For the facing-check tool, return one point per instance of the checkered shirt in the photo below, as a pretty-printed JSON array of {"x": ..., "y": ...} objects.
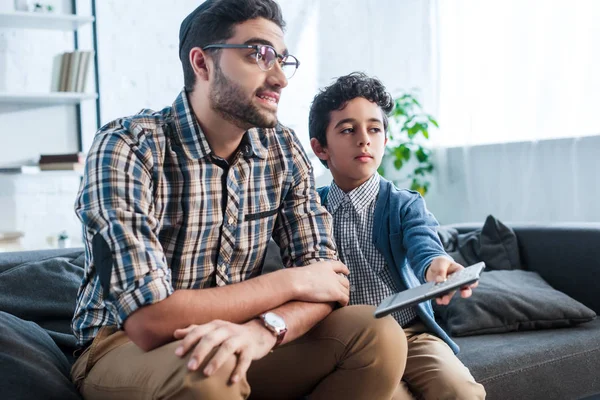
[
  {"x": 353, "y": 219},
  {"x": 173, "y": 217}
]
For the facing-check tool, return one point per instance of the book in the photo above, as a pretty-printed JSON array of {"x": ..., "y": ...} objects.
[
  {"x": 82, "y": 73},
  {"x": 64, "y": 71},
  {"x": 75, "y": 61},
  {"x": 62, "y": 158},
  {"x": 62, "y": 166}
]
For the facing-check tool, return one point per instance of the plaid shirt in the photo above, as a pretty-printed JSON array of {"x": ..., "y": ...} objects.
[
  {"x": 353, "y": 219},
  {"x": 171, "y": 215}
]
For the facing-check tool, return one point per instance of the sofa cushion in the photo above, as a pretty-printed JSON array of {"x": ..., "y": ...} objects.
[
  {"x": 31, "y": 364},
  {"x": 511, "y": 301},
  {"x": 495, "y": 244},
  {"x": 567, "y": 361},
  {"x": 54, "y": 281}
]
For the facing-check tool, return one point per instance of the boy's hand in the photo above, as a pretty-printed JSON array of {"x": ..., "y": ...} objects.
[{"x": 438, "y": 271}]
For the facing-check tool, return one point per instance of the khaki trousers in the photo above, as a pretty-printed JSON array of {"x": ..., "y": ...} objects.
[
  {"x": 433, "y": 371},
  {"x": 348, "y": 355}
]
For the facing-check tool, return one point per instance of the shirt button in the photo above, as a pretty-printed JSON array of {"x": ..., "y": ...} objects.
[
  {"x": 222, "y": 267},
  {"x": 230, "y": 221}
]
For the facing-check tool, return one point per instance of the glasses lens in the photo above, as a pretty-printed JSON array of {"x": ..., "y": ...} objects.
[
  {"x": 289, "y": 66},
  {"x": 266, "y": 57}
]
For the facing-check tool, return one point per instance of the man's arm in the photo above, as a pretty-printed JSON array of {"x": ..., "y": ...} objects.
[
  {"x": 116, "y": 207},
  {"x": 153, "y": 325}
]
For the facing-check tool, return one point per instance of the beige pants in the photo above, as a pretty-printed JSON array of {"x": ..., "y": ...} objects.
[
  {"x": 348, "y": 355},
  {"x": 433, "y": 371}
]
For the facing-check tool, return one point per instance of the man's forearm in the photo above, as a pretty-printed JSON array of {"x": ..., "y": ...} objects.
[
  {"x": 301, "y": 316},
  {"x": 153, "y": 325}
]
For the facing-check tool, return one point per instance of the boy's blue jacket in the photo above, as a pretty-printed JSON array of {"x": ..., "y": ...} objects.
[{"x": 405, "y": 233}]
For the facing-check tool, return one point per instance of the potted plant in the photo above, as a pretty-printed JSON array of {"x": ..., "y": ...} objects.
[{"x": 409, "y": 129}]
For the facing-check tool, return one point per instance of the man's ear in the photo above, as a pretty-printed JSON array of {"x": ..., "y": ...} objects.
[
  {"x": 200, "y": 63},
  {"x": 319, "y": 150}
]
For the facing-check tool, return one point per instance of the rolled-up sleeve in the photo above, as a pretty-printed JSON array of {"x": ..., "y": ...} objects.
[{"x": 116, "y": 207}]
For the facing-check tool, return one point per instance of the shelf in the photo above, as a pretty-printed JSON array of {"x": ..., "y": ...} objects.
[
  {"x": 34, "y": 20},
  {"x": 54, "y": 98}
]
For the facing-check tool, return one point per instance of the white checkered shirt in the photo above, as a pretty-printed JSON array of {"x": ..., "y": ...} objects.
[{"x": 353, "y": 219}]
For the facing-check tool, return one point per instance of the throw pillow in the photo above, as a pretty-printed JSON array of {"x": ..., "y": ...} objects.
[
  {"x": 507, "y": 301},
  {"x": 31, "y": 364},
  {"x": 495, "y": 244},
  {"x": 45, "y": 291}
]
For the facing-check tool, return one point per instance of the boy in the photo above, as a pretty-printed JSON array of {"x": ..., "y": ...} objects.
[{"x": 385, "y": 236}]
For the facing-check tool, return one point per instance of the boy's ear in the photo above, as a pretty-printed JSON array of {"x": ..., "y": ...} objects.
[{"x": 319, "y": 150}]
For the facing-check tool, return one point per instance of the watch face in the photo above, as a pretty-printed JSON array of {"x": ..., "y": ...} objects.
[{"x": 275, "y": 321}]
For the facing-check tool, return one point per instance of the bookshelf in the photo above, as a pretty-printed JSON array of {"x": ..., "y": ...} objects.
[
  {"x": 32, "y": 20},
  {"x": 46, "y": 99},
  {"x": 57, "y": 22}
]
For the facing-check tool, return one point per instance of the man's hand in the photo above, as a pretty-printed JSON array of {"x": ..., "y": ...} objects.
[
  {"x": 321, "y": 282},
  {"x": 438, "y": 271},
  {"x": 250, "y": 341}
]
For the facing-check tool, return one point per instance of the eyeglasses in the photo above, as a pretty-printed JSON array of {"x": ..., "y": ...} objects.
[{"x": 265, "y": 57}]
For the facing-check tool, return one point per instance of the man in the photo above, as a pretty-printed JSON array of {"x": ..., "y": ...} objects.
[{"x": 178, "y": 207}]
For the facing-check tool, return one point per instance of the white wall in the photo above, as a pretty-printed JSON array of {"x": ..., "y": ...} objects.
[
  {"x": 393, "y": 40},
  {"x": 546, "y": 181}
]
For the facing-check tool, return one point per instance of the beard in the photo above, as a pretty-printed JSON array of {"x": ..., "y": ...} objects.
[{"x": 227, "y": 98}]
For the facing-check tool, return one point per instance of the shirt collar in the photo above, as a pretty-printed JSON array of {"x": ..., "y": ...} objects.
[
  {"x": 194, "y": 142},
  {"x": 359, "y": 197}
]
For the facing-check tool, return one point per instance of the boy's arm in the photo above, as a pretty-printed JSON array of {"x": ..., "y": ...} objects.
[
  {"x": 424, "y": 249},
  {"x": 420, "y": 238}
]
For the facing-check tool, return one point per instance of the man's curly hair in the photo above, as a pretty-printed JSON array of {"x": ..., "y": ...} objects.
[{"x": 337, "y": 95}]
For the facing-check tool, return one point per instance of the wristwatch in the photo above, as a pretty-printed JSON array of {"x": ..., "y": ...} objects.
[{"x": 275, "y": 324}]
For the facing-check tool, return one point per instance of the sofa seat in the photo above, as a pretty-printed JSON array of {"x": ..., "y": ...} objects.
[{"x": 570, "y": 355}]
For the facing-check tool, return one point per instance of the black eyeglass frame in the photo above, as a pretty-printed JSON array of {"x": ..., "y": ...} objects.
[{"x": 257, "y": 47}]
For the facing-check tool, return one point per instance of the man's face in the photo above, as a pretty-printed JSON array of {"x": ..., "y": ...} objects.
[
  {"x": 355, "y": 143},
  {"x": 240, "y": 91}
]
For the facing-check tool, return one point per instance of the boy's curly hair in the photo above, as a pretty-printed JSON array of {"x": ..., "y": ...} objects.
[{"x": 335, "y": 97}]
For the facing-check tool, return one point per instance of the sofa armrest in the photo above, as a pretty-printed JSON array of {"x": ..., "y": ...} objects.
[
  {"x": 566, "y": 255},
  {"x": 11, "y": 259}
]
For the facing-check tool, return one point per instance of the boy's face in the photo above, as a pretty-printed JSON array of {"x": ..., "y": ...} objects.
[
  {"x": 240, "y": 91},
  {"x": 355, "y": 143}
]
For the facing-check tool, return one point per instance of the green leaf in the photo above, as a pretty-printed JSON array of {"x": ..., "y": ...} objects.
[
  {"x": 413, "y": 130},
  {"x": 422, "y": 156},
  {"x": 433, "y": 121},
  {"x": 405, "y": 153},
  {"x": 416, "y": 102},
  {"x": 398, "y": 163},
  {"x": 425, "y": 132}
]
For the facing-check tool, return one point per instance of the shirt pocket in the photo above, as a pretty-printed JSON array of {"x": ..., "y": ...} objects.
[{"x": 259, "y": 214}]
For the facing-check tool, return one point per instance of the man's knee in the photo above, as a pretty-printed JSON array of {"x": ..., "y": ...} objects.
[{"x": 186, "y": 384}]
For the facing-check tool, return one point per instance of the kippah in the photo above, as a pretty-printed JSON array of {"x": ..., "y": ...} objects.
[{"x": 188, "y": 21}]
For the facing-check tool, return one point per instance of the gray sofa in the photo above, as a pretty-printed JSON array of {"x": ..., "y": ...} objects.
[{"x": 38, "y": 289}]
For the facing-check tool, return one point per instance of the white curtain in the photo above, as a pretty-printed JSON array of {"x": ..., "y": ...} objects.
[{"x": 514, "y": 77}]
